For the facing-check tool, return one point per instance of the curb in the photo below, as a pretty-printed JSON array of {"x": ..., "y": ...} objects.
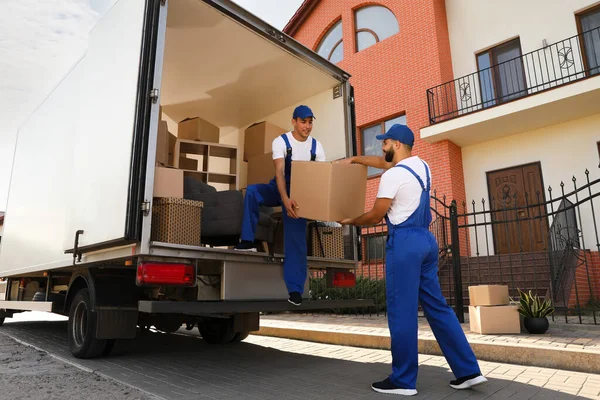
[{"x": 577, "y": 360}]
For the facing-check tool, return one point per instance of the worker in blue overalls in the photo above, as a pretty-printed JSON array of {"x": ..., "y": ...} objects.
[
  {"x": 296, "y": 145},
  {"x": 412, "y": 266}
]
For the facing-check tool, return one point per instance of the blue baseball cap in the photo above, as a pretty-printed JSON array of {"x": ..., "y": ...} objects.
[
  {"x": 303, "y": 112},
  {"x": 401, "y": 133}
]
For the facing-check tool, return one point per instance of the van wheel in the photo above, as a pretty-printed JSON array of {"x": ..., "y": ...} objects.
[
  {"x": 216, "y": 330},
  {"x": 240, "y": 336},
  {"x": 82, "y": 328}
]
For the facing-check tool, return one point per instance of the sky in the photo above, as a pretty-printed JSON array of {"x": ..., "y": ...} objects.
[{"x": 40, "y": 40}]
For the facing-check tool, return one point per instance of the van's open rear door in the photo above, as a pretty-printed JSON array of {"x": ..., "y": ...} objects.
[{"x": 117, "y": 109}]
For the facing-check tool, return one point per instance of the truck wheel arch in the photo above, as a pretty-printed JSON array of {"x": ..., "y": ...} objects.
[{"x": 80, "y": 280}]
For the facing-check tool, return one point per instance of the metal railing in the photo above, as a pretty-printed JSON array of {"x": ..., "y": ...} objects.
[{"x": 557, "y": 64}]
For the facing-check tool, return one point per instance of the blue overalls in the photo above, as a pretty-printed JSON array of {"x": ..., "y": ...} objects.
[
  {"x": 294, "y": 230},
  {"x": 411, "y": 277}
]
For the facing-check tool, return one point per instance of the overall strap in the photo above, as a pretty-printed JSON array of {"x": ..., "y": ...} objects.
[
  {"x": 313, "y": 150},
  {"x": 415, "y": 175},
  {"x": 428, "y": 177},
  {"x": 287, "y": 145}
]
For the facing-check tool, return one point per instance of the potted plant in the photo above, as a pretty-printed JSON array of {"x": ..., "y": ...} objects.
[{"x": 534, "y": 310}]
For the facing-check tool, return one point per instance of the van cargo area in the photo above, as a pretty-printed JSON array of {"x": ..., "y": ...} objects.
[{"x": 128, "y": 182}]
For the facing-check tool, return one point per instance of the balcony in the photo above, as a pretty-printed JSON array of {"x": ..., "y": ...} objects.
[{"x": 550, "y": 85}]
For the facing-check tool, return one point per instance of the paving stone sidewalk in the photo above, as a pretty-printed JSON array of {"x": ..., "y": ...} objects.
[{"x": 568, "y": 346}]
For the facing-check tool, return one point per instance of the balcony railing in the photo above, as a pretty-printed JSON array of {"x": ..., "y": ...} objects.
[{"x": 560, "y": 63}]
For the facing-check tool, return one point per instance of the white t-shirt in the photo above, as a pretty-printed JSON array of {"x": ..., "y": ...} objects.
[
  {"x": 300, "y": 150},
  {"x": 403, "y": 187}
]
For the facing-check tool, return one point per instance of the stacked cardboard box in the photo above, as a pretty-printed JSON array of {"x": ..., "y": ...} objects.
[
  {"x": 490, "y": 311},
  {"x": 165, "y": 145},
  {"x": 258, "y": 140}
]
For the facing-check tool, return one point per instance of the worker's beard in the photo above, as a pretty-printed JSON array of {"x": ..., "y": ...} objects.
[{"x": 389, "y": 155}]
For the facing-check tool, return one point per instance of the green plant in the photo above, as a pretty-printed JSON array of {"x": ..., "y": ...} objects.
[{"x": 531, "y": 306}]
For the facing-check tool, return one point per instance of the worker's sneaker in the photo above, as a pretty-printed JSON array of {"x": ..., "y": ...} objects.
[
  {"x": 386, "y": 386},
  {"x": 468, "y": 382},
  {"x": 295, "y": 298},
  {"x": 245, "y": 245}
]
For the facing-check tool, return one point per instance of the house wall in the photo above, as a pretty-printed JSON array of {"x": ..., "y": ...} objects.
[
  {"x": 564, "y": 151},
  {"x": 475, "y": 26},
  {"x": 392, "y": 76}
]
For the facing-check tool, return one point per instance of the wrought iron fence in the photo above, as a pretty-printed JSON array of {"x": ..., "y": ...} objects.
[
  {"x": 554, "y": 65},
  {"x": 547, "y": 242}
]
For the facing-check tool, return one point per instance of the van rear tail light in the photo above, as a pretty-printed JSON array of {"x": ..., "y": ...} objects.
[
  {"x": 153, "y": 274},
  {"x": 341, "y": 279}
]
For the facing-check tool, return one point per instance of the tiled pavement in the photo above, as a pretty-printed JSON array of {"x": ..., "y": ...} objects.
[
  {"x": 573, "y": 346},
  {"x": 576, "y": 336},
  {"x": 184, "y": 367}
]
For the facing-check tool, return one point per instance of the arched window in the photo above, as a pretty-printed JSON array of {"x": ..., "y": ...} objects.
[
  {"x": 332, "y": 46},
  {"x": 373, "y": 24}
]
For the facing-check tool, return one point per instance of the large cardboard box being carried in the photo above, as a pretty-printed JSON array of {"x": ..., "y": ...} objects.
[
  {"x": 326, "y": 191},
  {"x": 494, "y": 320},
  {"x": 260, "y": 169},
  {"x": 168, "y": 182},
  {"x": 258, "y": 138},
  {"x": 488, "y": 295},
  {"x": 198, "y": 129}
]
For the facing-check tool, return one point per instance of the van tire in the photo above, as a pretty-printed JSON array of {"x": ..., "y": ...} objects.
[
  {"x": 216, "y": 330},
  {"x": 82, "y": 328}
]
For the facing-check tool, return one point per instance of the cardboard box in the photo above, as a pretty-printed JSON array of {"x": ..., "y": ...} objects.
[
  {"x": 162, "y": 144},
  {"x": 325, "y": 191},
  {"x": 198, "y": 129},
  {"x": 190, "y": 164},
  {"x": 494, "y": 319},
  {"x": 260, "y": 169},
  {"x": 488, "y": 295},
  {"x": 168, "y": 182},
  {"x": 258, "y": 139}
]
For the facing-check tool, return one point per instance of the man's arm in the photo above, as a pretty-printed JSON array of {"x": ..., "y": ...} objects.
[
  {"x": 380, "y": 208},
  {"x": 290, "y": 205},
  {"x": 369, "y": 161}
]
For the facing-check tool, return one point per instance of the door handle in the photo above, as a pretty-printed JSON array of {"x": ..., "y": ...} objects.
[{"x": 521, "y": 213}]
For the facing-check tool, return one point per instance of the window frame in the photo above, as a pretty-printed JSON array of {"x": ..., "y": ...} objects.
[
  {"x": 378, "y": 258},
  {"x": 381, "y": 123},
  {"x": 580, "y": 32},
  {"x": 357, "y": 31},
  {"x": 324, "y": 36},
  {"x": 493, "y": 57}
]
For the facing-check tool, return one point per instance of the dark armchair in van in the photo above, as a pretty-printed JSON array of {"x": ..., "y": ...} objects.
[{"x": 222, "y": 214}]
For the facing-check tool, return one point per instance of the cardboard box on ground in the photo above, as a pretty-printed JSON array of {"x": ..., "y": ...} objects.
[{"x": 490, "y": 311}]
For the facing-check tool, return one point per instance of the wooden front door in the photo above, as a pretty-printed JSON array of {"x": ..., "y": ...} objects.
[{"x": 519, "y": 221}]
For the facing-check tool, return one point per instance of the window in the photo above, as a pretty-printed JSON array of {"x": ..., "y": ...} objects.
[
  {"x": 589, "y": 27},
  {"x": 375, "y": 247},
  {"x": 501, "y": 76},
  {"x": 374, "y": 24},
  {"x": 332, "y": 46},
  {"x": 370, "y": 145}
]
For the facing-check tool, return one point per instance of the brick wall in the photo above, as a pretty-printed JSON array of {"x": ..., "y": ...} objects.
[{"x": 392, "y": 76}]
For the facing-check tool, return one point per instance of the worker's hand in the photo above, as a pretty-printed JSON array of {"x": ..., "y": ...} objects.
[
  {"x": 347, "y": 221},
  {"x": 291, "y": 207}
]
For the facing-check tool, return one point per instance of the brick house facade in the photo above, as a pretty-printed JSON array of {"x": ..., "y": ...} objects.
[{"x": 390, "y": 78}]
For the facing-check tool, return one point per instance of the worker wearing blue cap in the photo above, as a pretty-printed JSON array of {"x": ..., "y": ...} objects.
[
  {"x": 296, "y": 145},
  {"x": 412, "y": 266}
]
